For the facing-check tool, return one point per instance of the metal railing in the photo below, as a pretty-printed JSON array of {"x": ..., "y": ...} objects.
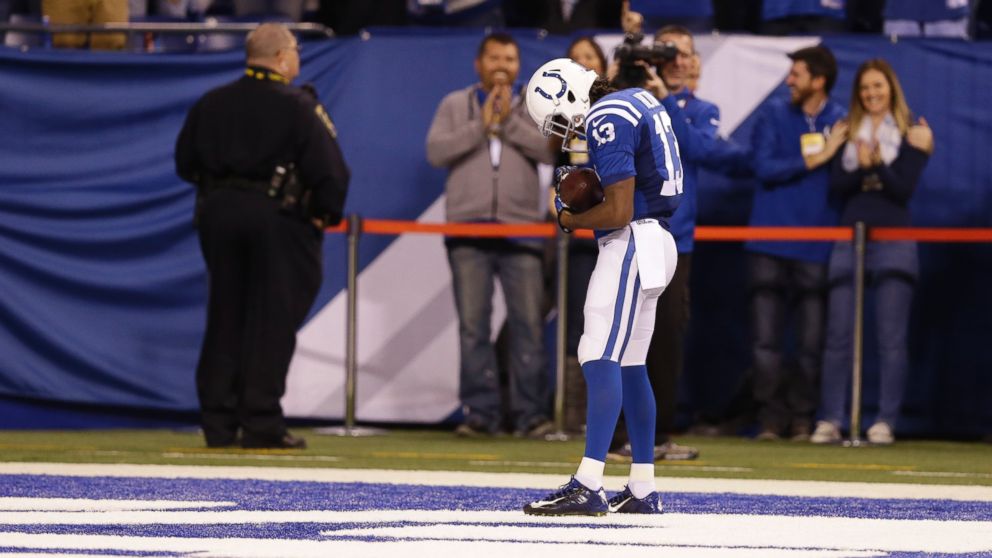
[{"x": 354, "y": 227}]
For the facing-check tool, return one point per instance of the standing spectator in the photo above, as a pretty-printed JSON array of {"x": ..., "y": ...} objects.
[
  {"x": 270, "y": 176},
  {"x": 793, "y": 142},
  {"x": 875, "y": 177},
  {"x": 695, "y": 123},
  {"x": 582, "y": 254},
  {"x": 82, "y": 12},
  {"x": 789, "y": 17},
  {"x": 926, "y": 18},
  {"x": 485, "y": 139}
]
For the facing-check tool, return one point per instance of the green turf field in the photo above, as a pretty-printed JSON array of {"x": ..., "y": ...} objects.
[{"x": 906, "y": 461}]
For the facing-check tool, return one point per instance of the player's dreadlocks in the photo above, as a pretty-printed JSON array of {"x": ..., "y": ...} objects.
[{"x": 600, "y": 88}]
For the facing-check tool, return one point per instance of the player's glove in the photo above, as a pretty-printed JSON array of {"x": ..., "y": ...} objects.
[
  {"x": 560, "y": 173},
  {"x": 561, "y": 208}
]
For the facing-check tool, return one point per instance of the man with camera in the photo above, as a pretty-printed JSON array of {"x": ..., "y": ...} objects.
[{"x": 695, "y": 123}]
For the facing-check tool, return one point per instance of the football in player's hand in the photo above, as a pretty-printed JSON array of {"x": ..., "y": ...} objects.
[{"x": 580, "y": 190}]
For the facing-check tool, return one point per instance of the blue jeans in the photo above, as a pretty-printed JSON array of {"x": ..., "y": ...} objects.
[
  {"x": 780, "y": 287},
  {"x": 473, "y": 268},
  {"x": 891, "y": 269}
]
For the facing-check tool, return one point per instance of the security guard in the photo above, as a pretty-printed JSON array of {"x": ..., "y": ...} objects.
[{"x": 270, "y": 176}]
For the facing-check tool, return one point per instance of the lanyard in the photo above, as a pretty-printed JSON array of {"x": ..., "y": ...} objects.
[{"x": 811, "y": 119}]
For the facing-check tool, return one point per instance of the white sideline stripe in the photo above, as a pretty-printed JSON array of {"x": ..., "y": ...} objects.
[
  {"x": 84, "y": 504},
  {"x": 509, "y": 480},
  {"x": 259, "y": 548}
]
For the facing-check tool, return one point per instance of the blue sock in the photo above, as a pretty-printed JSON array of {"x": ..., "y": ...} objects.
[
  {"x": 604, "y": 401},
  {"x": 639, "y": 412}
]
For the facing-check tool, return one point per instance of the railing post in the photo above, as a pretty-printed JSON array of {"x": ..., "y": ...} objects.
[
  {"x": 351, "y": 340},
  {"x": 561, "y": 337},
  {"x": 857, "y": 343},
  {"x": 351, "y": 321}
]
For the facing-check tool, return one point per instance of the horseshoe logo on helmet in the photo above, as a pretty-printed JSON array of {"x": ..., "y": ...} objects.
[{"x": 546, "y": 95}]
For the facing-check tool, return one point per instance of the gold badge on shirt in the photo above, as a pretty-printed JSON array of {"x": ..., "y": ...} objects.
[
  {"x": 322, "y": 114},
  {"x": 812, "y": 143}
]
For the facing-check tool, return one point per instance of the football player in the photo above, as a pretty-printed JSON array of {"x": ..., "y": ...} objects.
[{"x": 633, "y": 149}]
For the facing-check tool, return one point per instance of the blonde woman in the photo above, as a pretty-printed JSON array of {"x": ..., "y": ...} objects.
[{"x": 874, "y": 179}]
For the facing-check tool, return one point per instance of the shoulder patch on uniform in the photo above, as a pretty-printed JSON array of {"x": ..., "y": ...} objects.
[{"x": 326, "y": 119}]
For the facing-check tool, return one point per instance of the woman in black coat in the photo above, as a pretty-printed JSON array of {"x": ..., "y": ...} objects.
[{"x": 874, "y": 178}]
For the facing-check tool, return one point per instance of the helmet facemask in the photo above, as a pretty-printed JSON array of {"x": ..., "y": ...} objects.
[
  {"x": 574, "y": 127},
  {"x": 557, "y": 99}
]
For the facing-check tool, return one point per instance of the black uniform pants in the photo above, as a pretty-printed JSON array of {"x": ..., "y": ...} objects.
[
  {"x": 665, "y": 353},
  {"x": 779, "y": 285},
  {"x": 265, "y": 272}
]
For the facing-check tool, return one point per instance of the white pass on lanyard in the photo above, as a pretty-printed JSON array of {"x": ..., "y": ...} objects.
[
  {"x": 495, "y": 151},
  {"x": 649, "y": 242}
]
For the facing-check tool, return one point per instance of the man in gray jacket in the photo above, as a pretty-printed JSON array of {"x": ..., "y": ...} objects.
[{"x": 484, "y": 137}]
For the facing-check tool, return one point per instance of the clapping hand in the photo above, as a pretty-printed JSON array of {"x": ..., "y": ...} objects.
[
  {"x": 496, "y": 108},
  {"x": 837, "y": 137},
  {"x": 920, "y": 136},
  {"x": 867, "y": 154}
]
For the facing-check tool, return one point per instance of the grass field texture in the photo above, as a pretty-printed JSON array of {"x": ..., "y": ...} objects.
[{"x": 927, "y": 462}]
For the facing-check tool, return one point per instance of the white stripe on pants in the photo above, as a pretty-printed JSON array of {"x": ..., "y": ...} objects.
[{"x": 619, "y": 318}]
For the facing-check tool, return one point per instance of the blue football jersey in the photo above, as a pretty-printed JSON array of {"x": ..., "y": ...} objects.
[{"x": 630, "y": 135}]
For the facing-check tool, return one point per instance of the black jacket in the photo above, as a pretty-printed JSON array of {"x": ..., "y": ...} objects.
[
  {"x": 246, "y": 128},
  {"x": 878, "y": 196}
]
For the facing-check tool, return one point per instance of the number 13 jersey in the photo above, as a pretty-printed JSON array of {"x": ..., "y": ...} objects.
[{"x": 630, "y": 135}]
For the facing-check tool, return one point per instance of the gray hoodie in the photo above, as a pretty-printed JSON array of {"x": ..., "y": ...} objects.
[{"x": 476, "y": 191}]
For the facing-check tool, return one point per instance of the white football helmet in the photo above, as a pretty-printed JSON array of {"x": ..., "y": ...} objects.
[{"x": 560, "y": 88}]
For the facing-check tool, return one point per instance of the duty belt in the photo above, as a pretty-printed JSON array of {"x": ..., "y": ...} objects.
[{"x": 210, "y": 185}]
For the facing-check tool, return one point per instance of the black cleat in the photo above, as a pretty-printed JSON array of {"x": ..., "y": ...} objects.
[
  {"x": 626, "y": 502},
  {"x": 573, "y": 498}
]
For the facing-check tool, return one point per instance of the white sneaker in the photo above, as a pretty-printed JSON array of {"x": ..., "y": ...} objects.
[
  {"x": 881, "y": 433},
  {"x": 826, "y": 433}
]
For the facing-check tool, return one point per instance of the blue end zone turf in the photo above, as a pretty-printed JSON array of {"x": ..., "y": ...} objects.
[
  {"x": 57, "y": 508},
  {"x": 258, "y": 495}
]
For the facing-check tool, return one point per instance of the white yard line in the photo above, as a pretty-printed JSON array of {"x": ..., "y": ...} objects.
[
  {"x": 83, "y": 504},
  {"x": 506, "y": 480}
]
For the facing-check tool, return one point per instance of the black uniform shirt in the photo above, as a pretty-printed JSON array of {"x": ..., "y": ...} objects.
[{"x": 246, "y": 128}]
